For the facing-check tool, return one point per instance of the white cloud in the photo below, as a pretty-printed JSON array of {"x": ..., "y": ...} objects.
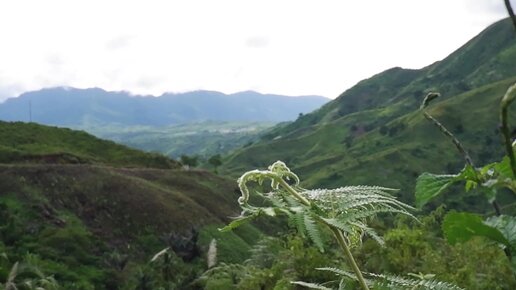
[{"x": 286, "y": 47}]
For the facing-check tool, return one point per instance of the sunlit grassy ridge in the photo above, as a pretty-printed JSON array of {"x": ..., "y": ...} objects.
[{"x": 30, "y": 142}]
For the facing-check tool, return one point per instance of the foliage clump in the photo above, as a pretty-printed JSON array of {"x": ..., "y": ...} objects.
[{"x": 344, "y": 213}]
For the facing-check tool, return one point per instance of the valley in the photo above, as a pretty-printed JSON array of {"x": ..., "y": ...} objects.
[{"x": 81, "y": 212}]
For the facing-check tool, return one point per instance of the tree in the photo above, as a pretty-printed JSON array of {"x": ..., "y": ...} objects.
[
  {"x": 189, "y": 161},
  {"x": 215, "y": 161}
]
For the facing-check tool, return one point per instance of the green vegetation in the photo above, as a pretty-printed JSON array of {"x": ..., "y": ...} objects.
[
  {"x": 33, "y": 143},
  {"x": 203, "y": 139},
  {"x": 77, "y": 212},
  {"x": 489, "y": 179},
  {"x": 372, "y": 129},
  {"x": 344, "y": 211},
  {"x": 88, "y": 225},
  {"x": 383, "y": 134}
]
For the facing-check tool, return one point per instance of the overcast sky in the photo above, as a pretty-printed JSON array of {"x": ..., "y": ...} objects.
[{"x": 287, "y": 47}]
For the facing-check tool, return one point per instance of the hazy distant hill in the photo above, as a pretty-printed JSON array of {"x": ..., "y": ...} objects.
[
  {"x": 74, "y": 107},
  {"x": 373, "y": 133}
]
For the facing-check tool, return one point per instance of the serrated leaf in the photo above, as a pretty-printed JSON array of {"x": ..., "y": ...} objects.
[
  {"x": 430, "y": 185},
  {"x": 338, "y": 224},
  {"x": 313, "y": 232},
  {"x": 460, "y": 227},
  {"x": 310, "y": 285},
  {"x": 338, "y": 272},
  {"x": 299, "y": 222},
  {"x": 506, "y": 225},
  {"x": 238, "y": 222},
  {"x": 503, "y": 168}
]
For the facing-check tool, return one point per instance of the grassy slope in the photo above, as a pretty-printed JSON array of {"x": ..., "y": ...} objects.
[
  {"x": 371, "y": 134},
  {"x": 74, "y": 217},
  {"x": 334, "y": 154},
  {"x": 30, "y": 142}
]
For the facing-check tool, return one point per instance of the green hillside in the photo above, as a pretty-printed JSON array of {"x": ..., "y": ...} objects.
[
  {"x": 30, "y": 142},
  {"x": 373, "y": 134},
  {"x": 91, "y": 213}
]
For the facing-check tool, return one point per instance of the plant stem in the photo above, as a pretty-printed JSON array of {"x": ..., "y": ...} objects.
[
  {"x": 511, "y": 13},
  {"x": 461, "y": 149},
  {"x": 455, "y": 141},
  {"x": 507, "y": 138},
  {"x": 338, "y": 234},
  {"x": 344, "y": 246},
  {"x": 292, "y": 191}
]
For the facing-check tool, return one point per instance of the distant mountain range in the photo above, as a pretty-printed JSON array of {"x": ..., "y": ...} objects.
[{"x": 85, "y": 107}]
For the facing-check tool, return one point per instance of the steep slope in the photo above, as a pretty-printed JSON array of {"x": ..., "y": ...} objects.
[
  {"x": 372, "y": 133},
  {"x": 487, "y": 58},
  {"x": 93, "y": 213},
  {"x": 94, "y": 107}
]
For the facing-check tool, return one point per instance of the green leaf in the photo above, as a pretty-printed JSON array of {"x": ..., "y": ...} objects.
[
  {"x": 299, "y": 222},
  {"x": 343, "y": 226},
  {"x": 313, "y": 232},
  {"x": 430, "y": 185},
  {"x": 506, "y": 225},
  {"x": 468, "y": 173},
  {"x": 503, "y": 168},
  {"x": 238, "y": 222},
  {"x": 310, "y": 285},
  {"x": 460, "y": 227},
  {"x": 470, "y": 184}
]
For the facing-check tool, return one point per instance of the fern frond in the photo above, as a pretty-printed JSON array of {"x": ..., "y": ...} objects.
[
  {"x": 355, "y": 197},
  {"x": 291, "y": 201},
  {"x": 310, "y": 285},
  {"x": 364, "y": 213},
  {"x": 276, "y": 200},
  {"x": 298, "y": 220},
  {"x": 238, "y": 221},
  {"x": 369, "y": 231},
  {"x": 313, "y": 231},
  {"x": 406, "y": 283},
  {"x": 391, "y": 281},
  {"x": 337, "y": 271},
  {"x": 338, "y": 224}
]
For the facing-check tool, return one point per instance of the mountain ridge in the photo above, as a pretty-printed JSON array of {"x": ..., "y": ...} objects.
[
  {"x": 66, "y": 106},
  {"x": 366, "y": 129}
]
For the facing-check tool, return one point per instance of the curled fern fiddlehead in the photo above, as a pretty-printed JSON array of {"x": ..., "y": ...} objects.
[{"x": 344, "y": 211}]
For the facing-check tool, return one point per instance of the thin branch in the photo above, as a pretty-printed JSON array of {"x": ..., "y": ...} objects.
[
  {"x": 511, "y": 12},
  {"x": 455, "y": 141}
]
